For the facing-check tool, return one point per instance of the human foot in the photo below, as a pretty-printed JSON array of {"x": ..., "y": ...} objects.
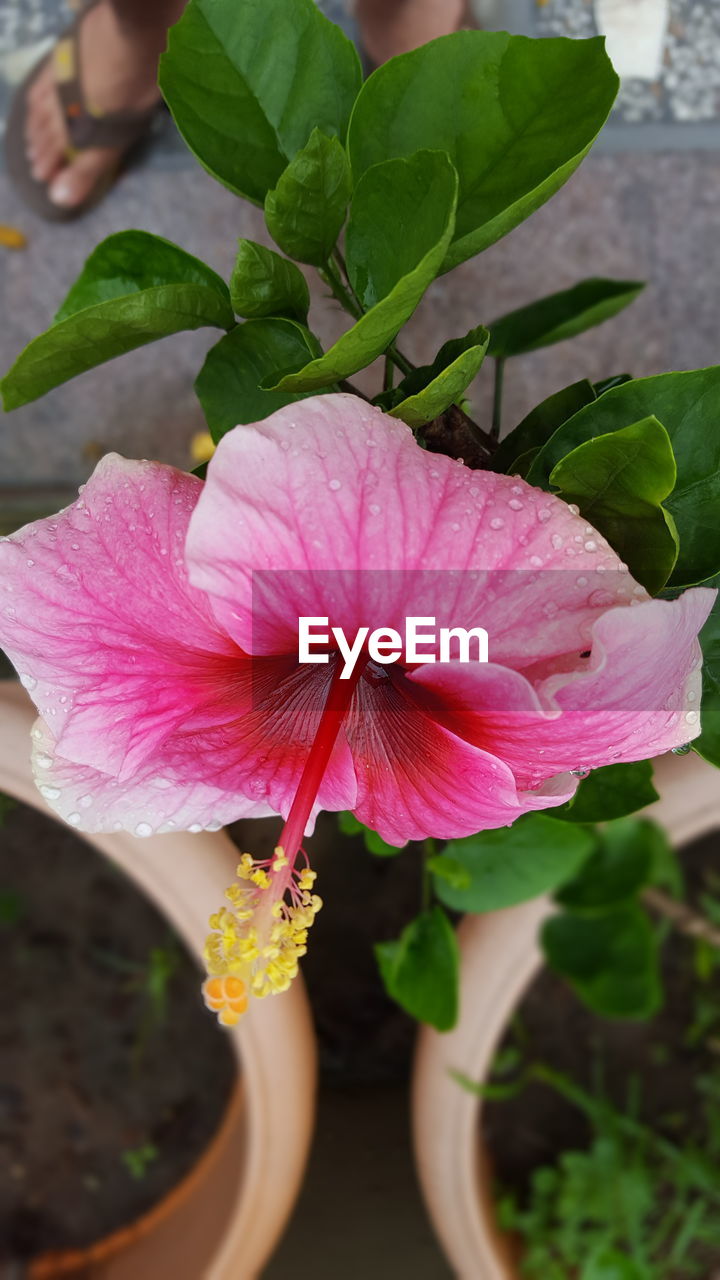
[
  {"x": 118, "y": 72},
  {"x": 390, "y": 27}
]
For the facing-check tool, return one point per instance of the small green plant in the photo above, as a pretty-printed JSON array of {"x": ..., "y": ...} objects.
[
  {"x": 632, "y": 1206},
  {"x": 137, "y": 1160}
]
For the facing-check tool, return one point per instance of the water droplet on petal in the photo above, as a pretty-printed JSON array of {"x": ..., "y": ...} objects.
[
  {"x": 579, "y": 773},
  {"x": 574, "y": 508},
  {"x": 591, "y": 545},
  {"x": 43, "y": 762},
  {"x": 683, "y": 750},
  {"x": 74, "y": 819},
  {"x": 535, "y": 562},
  {"x": 515, "y": 504},
  {"x": 374, "y": 509},
  {"x": 50, "y": 793},
  {"x": 334, "y": 485},
  {"x": 85, "y": 802},
  {"x": 692, "y": 696},
  {"x": 143, "y": 829},
  {"x": 544, "y": 514},
  {"x": 195, "y": 828},
  {"x": 28, "y": 682},
  {"x": 496, "y": 523},
  {"x": 691, "y": 717},
  {"x": 556, "y": 541}
]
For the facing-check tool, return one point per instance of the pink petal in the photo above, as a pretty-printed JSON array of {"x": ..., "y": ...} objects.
[
  {"x": 295, "y": 506},
  {"x": 243, "y": 756},
  {"x": 416, "y": 778},
  {"x": 152, "y": 802},
  {"x": 96, "y": 613},
  {"x": 636, "y": 696}
]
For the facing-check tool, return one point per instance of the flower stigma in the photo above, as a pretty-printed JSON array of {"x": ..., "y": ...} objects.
[{"x": 256, "y": 942}]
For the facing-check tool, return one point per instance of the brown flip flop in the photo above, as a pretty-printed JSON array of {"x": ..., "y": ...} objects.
[{"x": 86, "y": 128}]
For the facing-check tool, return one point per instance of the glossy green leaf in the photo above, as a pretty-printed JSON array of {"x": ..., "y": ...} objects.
[
  {"x": 420, "y": 970},
  {"x": 264, "y": 284},
  {"x": 228, "y": 385},
  {"x": 540, "y": 424},
  {"x": 611, "y": 792},
  {"x": 533, "y": 856},
  {"x": 621, "y": 865},
  {"x": 708, "y": 744},
  {"x": 400, "y": 211},
  {"x": 447, "y": 385},
  {"x": 515, "y": 115},
  {"x": 411, "y": 205},
  {"x": 350, "y": 826},
  {"x": 619, "y": 481},
  {"x": 561, "y": 315},
  {"x": 248, "y": 82},
  {"x": 611, "y": 960},
  {"x": 306, "y": 210},
  {"x": 133, "y": 289},
  {"x": 688, "y": 405}
]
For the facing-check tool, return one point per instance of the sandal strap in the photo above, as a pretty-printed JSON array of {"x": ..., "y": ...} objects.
[{"x": 87, "y": 127}]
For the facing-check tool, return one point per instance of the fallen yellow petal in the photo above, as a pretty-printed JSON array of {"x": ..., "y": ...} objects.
[
  {"x": 11, "y": 238},
  {"x": 202, "y": 447}
]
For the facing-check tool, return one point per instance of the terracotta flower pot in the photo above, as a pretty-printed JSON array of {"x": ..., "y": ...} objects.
[
  {"x": 499, "y": 959},
  {"x": 222, "y": 1221}
]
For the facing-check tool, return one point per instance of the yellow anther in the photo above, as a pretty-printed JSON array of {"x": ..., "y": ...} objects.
[{"x": 257, "y": 941}]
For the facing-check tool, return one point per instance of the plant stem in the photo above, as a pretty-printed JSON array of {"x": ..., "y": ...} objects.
[
  {"x": 497, "y": 399},
  {"x": 344, "y": 297},
  {"x": 682, "y": 917},
  {"x": 389, "y": 374},
  {"x": 350, "y": 387},
  {"x": 426, "y": 890}
]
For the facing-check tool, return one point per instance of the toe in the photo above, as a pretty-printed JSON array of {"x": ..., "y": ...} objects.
[{"x": 75, "y": 181}]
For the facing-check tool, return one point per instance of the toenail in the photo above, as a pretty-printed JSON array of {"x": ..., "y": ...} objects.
[{"x": 61, "y": 192}]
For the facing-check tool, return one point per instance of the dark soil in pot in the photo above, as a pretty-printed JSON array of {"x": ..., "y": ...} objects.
[
  {"x": 113, "y": 1077},
  {"x": 648, "y": 1069}
]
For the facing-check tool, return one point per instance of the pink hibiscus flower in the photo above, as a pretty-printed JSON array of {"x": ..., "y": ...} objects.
[{"x": 155, "y": 624}]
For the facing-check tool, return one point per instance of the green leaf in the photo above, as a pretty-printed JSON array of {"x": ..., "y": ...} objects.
[
  {"x": 247, "y": 82},
  {"x": 447, "y": 384},
  {"x": 401, "y": 222},
  {"x": 610, "y": 1265},
  {"x": 374, "y": 843},
  {"x": 306, "y": 211},
  {"x": 450, "y": 869},
  {"x": 264, "y": 284},
  {"x": 516, "y": 116},
  {"x": 400, "y": 211},
  {"x": 688, "y": 405},
  {"x": 560, "y": 316},
  {"x": 420, "y": 970},
  {"x": 228, "y": 385},
  {"x": 536, "y": 854},
  {"x": 540, "y": 424},
  {"x": 611, "y": 792},
  {"x": 619, "y": 482},
  {"x": 611, "y": 960},
  {"x": 622, "y": 863},
  {"x": 133, "y": 289},
  {"x": 708, "y": 744}
]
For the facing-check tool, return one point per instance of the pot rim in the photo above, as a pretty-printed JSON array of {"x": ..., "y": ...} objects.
[
  {"x": 500, "y": 957},
  {"x": 262, "y": 1145}
]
